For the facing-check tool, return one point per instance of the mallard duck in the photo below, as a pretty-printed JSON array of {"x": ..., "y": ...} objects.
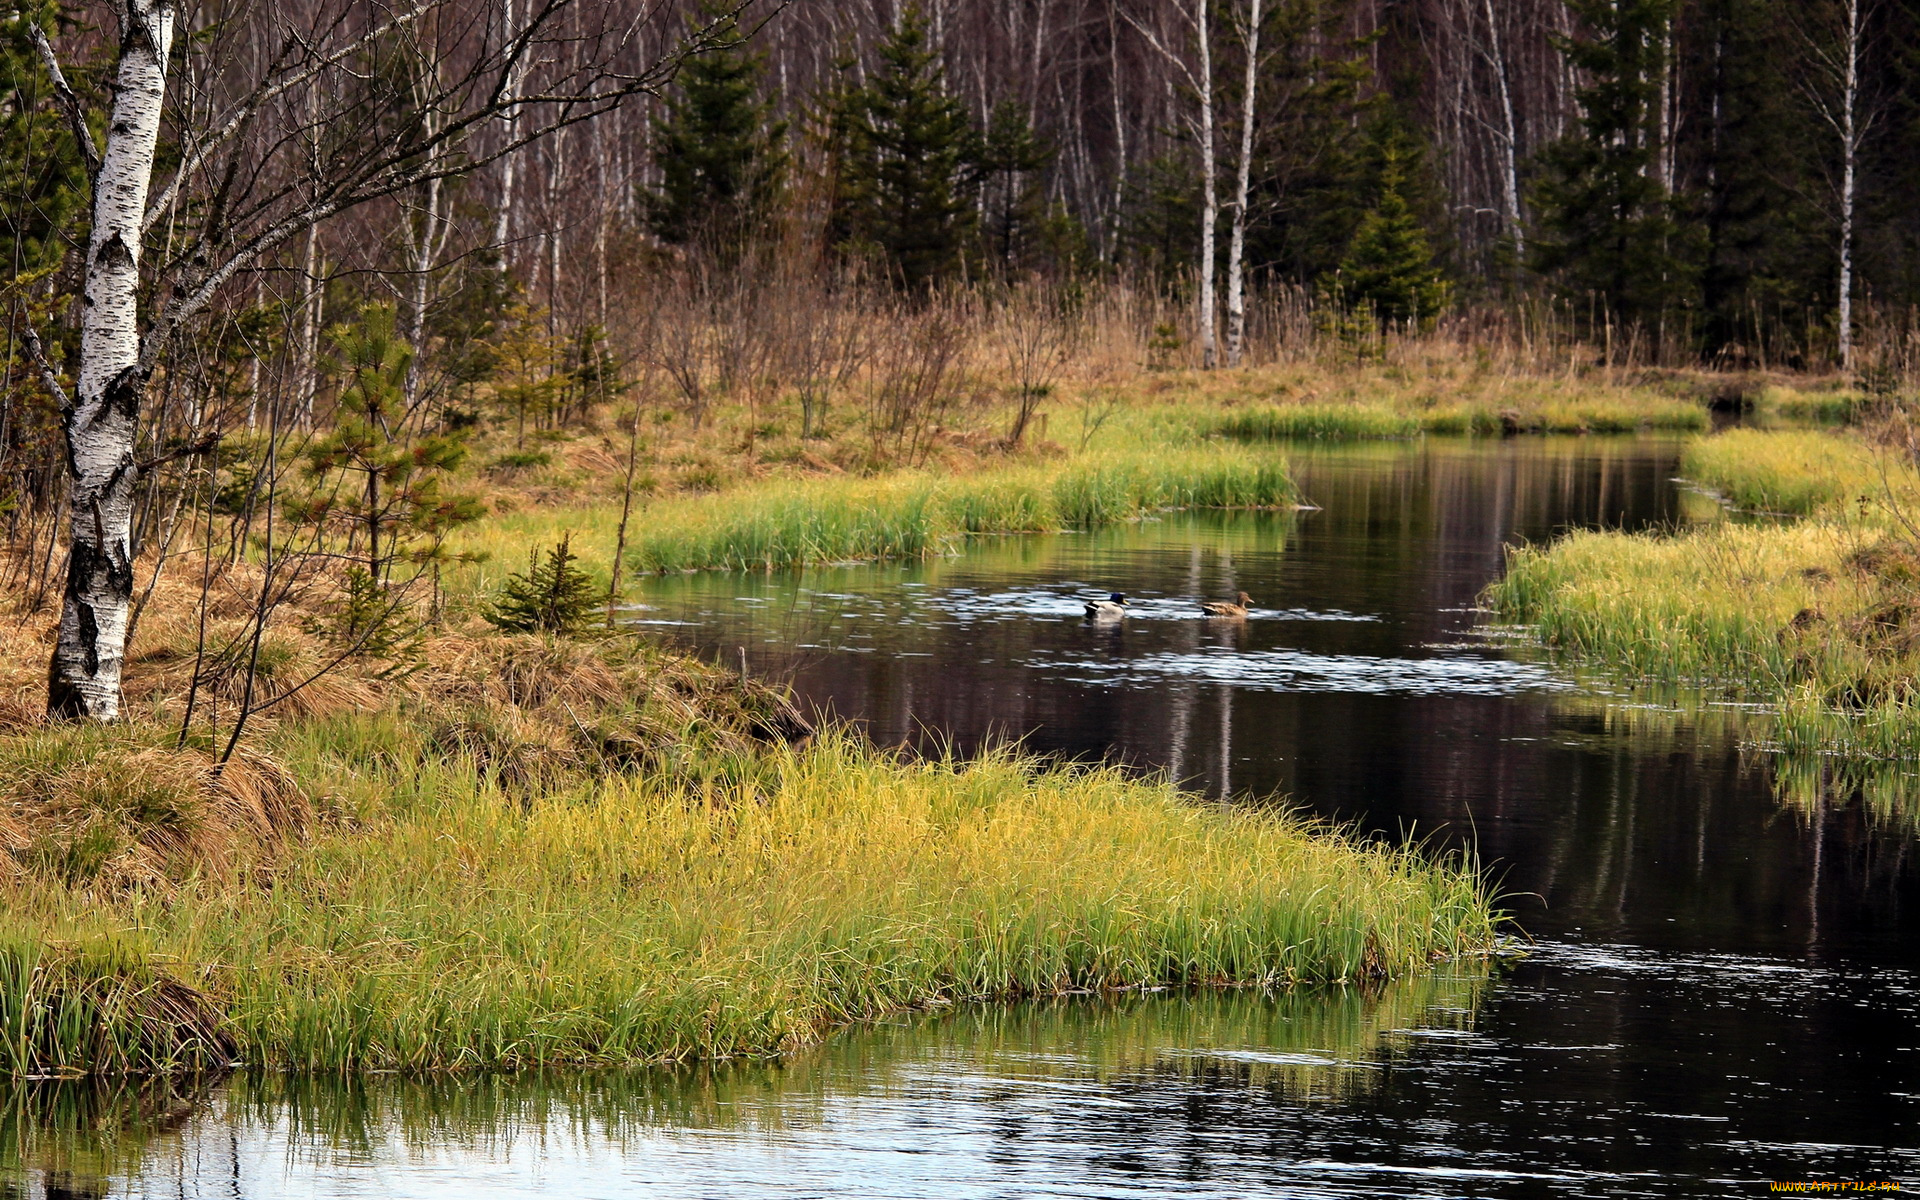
[
  {"x": 1111, "y": 609},
  {"x": 1227, "y": 608}
]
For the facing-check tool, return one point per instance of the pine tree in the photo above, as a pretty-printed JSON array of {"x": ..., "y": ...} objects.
[
  {"x": 387, "y": 486},
  {"x": 1609, "y": 227},
  {"x": 1389, "y": 266},
  {"x": 718, "y": 149},
  {"x": 907, "y": 162}
]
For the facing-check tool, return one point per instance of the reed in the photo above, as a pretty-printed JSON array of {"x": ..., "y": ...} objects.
[
  {"x": 650, "y": 917},
  {"x": 916, "y": 514}
]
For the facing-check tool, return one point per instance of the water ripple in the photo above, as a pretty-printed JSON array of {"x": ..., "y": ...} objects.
[{"x": 1300, "y": 671}]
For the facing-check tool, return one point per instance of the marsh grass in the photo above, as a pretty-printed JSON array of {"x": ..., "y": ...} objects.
[
  {"x": 528, "y": 850},
  {"x": 646, "y": 918},
  {"x": 1375, "y": 420},
  {"x": 1310, "y": 1045},
  {"x": 1817, "y": 618},
  {"x": 1796, "y": 473},
  {"x": 914, "y": 515}
]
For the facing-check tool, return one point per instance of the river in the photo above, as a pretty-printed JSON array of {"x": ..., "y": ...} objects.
[{"x": 1718, "y": 989}]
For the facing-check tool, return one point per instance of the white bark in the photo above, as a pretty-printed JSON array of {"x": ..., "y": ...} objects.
[
  {"x": 1210, "y": 198},
  {"x": 1510, "y": 137},
  {"x": 502, "y": 225},
  {"x": 307, "y": 377},
  {"x": 1236, "y": 246},
  {"x": 84, "y": 679},
  {"x": 1850, "y": 153}
]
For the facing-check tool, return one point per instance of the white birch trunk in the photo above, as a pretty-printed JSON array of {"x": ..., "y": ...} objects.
[
  {"x": 502, "y": 225},
  {"x": 1510, "y": 138},
  {"x": 1237, "y": 242},
  {"x": 83, "y": 681},
  {"x": 307, "y": 383},
  {"x": 427, "y": 244},
  {"x": 1210, "y": 198},
  {"x": 1850, "y": 153}
]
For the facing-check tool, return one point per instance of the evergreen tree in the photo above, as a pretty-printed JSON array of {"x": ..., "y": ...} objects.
[
  {"x": 1765, "y": 248},
  {"x": 1389, "y": 266},
  {"x": 554, "y": 596},
  {"x": 41, "y": 175},
  {"x": 1011, "y": 159},
  {"x": 718, "y": 149},
  {"x": 387, "y": 486},
  {"x": 1609, "y": 227},
  {"x": 1313, "y": 172},
  {"x": 907, "y": 162}
]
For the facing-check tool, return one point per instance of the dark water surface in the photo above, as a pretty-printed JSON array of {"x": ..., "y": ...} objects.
[{"x": 1722, "y": 991}]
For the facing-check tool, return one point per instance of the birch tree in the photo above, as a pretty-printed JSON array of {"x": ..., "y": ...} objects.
[
  {"x": 100, "y": 414},
  {"x": 1508, "y": 136},
  {"x": 1198, "y": 76},
  {"x": 1832, "y": 85},
  {"x": 280, "y": 147},
  {"x": 1237, "y": 243}
]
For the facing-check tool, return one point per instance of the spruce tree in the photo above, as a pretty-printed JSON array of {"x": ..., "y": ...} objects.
[
  {"x": 41, "y": 174},
  {"x": 1389, "y": 266},
  {"x": 1011, "y": 159},
  {"x": 907, "y": 162},
  {"x": 553, "y": 596},
  {"x": 718, "y": 149},
  {"x": 1609, "y": 227}
]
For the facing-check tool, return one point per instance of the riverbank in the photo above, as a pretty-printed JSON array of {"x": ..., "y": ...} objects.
[
  {"x": 526, "y": 851},
  {"x": 741, "y": 490},
  {"x": 1812, "y": 614}
]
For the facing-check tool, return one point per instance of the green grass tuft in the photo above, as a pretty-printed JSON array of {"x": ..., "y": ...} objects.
[{"x": 648, "y": 918}]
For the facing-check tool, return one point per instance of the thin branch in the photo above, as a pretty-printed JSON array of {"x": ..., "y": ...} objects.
[
  {"x": 38, "y": 352},
  {"x": 63, "y": 95}
]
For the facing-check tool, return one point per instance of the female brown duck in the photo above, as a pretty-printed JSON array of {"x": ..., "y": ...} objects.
[{"x": 1227, "y": 608}]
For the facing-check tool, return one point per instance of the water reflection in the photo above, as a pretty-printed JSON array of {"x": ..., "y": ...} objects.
[{"x": 1002, "y": 1071}]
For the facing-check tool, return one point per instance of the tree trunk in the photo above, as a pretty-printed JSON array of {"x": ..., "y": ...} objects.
[
  {"x": 1236, "y": 246},
  {"x": 503, "y": 217},
  {"x": 1509, "y": 142},
  {"x": 1210, "y": 198},
  {"x": 83, "y": 681},
  {"x": 1850, "y": 153}
]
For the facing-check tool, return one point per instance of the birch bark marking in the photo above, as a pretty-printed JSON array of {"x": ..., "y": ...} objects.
[
  {"x": 100, "y": 422},
  {"x": 1210, "y": 198},
  {"x": 1850, "y": 153},
  {"x": 1237, "y": 244}
]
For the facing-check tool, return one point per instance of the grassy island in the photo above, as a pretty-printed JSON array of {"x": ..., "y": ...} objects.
[
  {"x": 537, "y": 853},
  {"x": 1806, "y": 599}
]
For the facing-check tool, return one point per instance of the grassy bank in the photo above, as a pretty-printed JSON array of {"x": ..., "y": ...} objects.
[
  {"x": 1364, "y": 420},
  {"x": 642, "y": 921},
  {"x": 531, "y": 851},
  {"x": 1815, "y": 617},
  {"x": 908, "y": 514}
]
